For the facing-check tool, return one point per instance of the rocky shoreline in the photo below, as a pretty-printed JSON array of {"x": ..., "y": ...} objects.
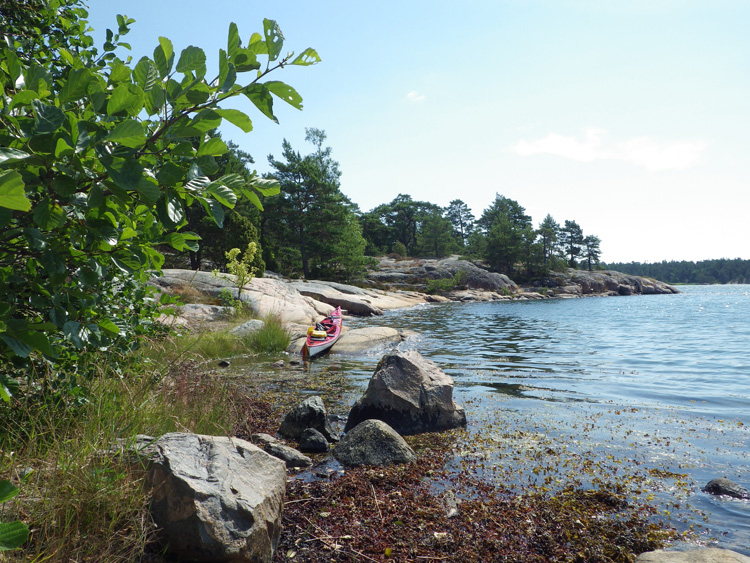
[
  {"x": 299, "y": 304},
  {"x": 393, "y": 284}
]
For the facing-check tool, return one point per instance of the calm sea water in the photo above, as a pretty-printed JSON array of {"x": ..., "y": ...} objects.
[{"x": 658, "y": 382}]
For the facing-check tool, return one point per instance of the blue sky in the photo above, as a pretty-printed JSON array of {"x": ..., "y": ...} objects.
[{"x": 630, "y": 117}]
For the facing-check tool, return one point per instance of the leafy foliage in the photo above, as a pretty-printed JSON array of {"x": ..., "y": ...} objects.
[
  {"x": 12, "y": 534},
  {"x": 99, "y": 160}
]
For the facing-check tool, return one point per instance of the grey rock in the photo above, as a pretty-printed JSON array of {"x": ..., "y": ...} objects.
[
  {"x": 313, "y": 441},
  {"x": 338, "y": 295},
  {"x": 215, "y": 498},
  {"x": 247, "y": 328},
  {"x": 310, "y": 413},
  {"x": 373, "y": 442},
  {"x": 701, "y": 555},
  {"x": 727, "y": 487},
  {"x": 288, "y": 455},
  {"x": 411, "y": 393},
  {"x": 261, "y": 439}
]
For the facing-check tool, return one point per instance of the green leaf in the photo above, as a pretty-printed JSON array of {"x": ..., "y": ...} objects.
[
  {"x": 233, "y": 39},
  {"x": 266, "y": 186},
  {"x": 13, "y": 535},
  {"x": 126, "y": 173},
  {"x": 119, "y": 73},
  {"x": 22, "y": 350},
  {"x": 47, "y": 119},
  {"x": 223, "y": 194},
  {"x": 213, "y": 147},
  {"x": 7, "y": 491},
  {"x": 274, "y": 39},
  {"x": 63, "y": 149},
  {"x": 175, "y": 210},
  {"x": 198, "y": 94},
  {"x": 176, "y": 241},
  {"x": 148, "y": 191},
  {"x": 127, "y": 98},
  {"x": 262, "y": 99},
  {"x": 236, "y": 117},
  {"x": 192, "y": 59},
  {"x": 306, "y": 58},
  {"x": 154, "y": 100},
  {"x": 129, "y": 133},
  {"x": 254, "y": 199},
  {"x": 37, "y": 341},
  {"x": 110, "y": 326},
  {"x": 216, "y": 211},
  {"x": 12, "y": 194},
  {"x": 164, "y": 56},
  {"x": 48, "y": 215},
  {"x": 206, "y": 120},
  {"x": 285, "y": 92},
  {"x": 9, "y": 155},
  {"x": 76, "y": 333},
  {"x": 145, "y": 74},
  {"x": 77, "y": 85},
  {"x": 170, "y": 174},
  {"x": 227, "y": 73},
  {"x": 24, "y": 97},
  {"x": 234, "y": 181}
]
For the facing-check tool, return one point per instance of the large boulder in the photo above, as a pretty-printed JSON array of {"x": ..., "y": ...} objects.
[
  {"x": 411, "y": 393},
  {"x": 215, "y": 498},
  {"x": 373, "y": 442},
  {"x": 701, "y": 555},
  {"x": 310, "y": 413}
]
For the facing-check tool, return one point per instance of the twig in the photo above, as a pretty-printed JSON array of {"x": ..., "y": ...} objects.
[
  {"x": 377, "y": 504},
  {"x": 303, "y": 500}
]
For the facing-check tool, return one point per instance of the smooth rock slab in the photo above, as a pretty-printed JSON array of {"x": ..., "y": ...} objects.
[
  {"x": 373, "y": 442},
  {"x": 703, "y": 555},
  {"x": 410, "y": 393},
  {"x": 215, "y": 498}
]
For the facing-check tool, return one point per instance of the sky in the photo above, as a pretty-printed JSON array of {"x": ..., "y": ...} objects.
[{"x": 630, "y": 117}]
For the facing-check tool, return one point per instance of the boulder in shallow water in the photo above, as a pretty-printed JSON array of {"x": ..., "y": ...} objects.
[
  {"x": 410, "y": 393},
  {"x": 310, "y": 413},
  {"x": 727, "y": 487},
  {"x": 373, "y": 442}
]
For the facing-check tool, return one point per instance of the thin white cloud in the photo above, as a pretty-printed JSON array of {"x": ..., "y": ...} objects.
[
  {"x": 414, "y": 96},
  {"x": 647, "y": 152}
]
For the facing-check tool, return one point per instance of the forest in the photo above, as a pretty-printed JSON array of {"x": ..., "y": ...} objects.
[
  {"x": 722, "y": 270},
  {"x": 311, "y": 229}
]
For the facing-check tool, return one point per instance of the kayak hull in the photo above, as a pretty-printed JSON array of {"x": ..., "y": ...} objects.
[{"x": 315, "y": 345}]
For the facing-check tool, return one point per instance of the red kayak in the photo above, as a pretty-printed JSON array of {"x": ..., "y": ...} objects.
[{"x": 323, "y": 335}]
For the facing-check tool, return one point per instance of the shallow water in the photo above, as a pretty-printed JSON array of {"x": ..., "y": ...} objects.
[{"x": 644, "y": 385}]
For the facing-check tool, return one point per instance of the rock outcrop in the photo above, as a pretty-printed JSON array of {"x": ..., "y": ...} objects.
[
  {"x": 576, "y": 283},
  {"x": 410, "y": 393},
  {"x": 414, "y": 272},
  {"x": 215, "y": 498},
  {"x": 373, "y": 442}
]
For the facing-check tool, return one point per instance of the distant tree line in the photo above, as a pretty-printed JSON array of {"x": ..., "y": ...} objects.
[
  {"x": 312, "y": 230},
  {"x": 703, "y": 272}
]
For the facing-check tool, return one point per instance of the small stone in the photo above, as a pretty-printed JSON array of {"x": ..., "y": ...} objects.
[
  {"x": 278, "y": 364},
  {"x": 224, "y": 364}
]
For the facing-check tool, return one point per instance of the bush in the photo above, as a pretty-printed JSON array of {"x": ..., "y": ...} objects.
[{"x": 272, "y": 338}]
